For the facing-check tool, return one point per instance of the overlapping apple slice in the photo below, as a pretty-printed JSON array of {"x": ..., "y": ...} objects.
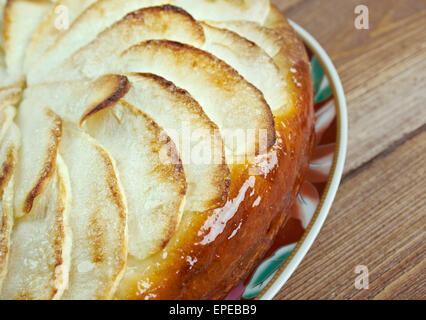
[
  {"x": 212, "y": 82},
  {"x": 227, "y": 98},
  {"x": 223, "y": 10},
  {"x": 85, "y": 29},
  {"x": 41, "y": 130},
  {"x": 7, "y": 114},
  {"x": 6, "y": 216},
  {"x": 266, "y": 38},
  {"x": 71, "y": 99},
  {"x": 165, "y": 22},
  {"x": 9, "y": 148},
  {"x": 196, "y": 137},
  {"x": 98, "y": 218},
  {"x": 175, "y": 24},
  {"x": 21, "y": 18},
  {"x": 59, "y": 18},
  {"x": 40, "y": 255},
  {"x": 8, "y": 156},
  {"x": 41, "y": 127},
  {"x": 150, "y": 170},
  {"x": 93, "y": 21},
  {"x": 10, "y": 95},
  {"x": 2, "y": 6},
  {"x": 242, "y": 55}
]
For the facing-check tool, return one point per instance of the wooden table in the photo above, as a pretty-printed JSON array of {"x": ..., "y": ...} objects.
[{"x": 379, "y": 215}]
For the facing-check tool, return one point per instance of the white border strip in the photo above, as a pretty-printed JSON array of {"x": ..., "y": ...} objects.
[{"x": 304, "y": 248}]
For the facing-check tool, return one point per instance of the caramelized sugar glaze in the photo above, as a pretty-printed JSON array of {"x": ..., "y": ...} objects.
[{"x": 213, "y": 251}]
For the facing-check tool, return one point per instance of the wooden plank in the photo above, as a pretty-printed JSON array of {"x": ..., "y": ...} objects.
[
  {"x": 286, "y": 4},
  {"x": 378, "y": 220},
  {"x": 383, "y": 69}
]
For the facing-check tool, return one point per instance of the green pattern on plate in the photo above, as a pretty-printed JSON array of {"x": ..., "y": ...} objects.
[
  {"x": 321, "y": 84},
  {"x": 266, "y": 271}
]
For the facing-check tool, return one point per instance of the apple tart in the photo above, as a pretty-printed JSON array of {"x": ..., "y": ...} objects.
[{"x": 150, "y": 149}]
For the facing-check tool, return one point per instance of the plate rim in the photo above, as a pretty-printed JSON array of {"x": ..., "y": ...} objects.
[{"x": 311, "y": 233}]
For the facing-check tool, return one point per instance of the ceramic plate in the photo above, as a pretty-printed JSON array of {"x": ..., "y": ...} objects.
[{"x": 319, "y": 189}]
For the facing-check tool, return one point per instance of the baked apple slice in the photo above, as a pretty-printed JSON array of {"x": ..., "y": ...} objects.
[
  {"x": 10, "y": 94},
  {"x": 70, "y": 100},
  {"x": 7, "y": 114},
  {"x": 93, "y": 21},
  {"x": 175, "y": 24},
  {"x": 244, "y": 119},
  {"x": 242, "y": 55},
  {"x": 9, "y": 147},
  {"x": 150, "y": 171},
  {"x": 6, "y": 216},
  {"x": 57, "y": 20},
  {"x": 266, "y": 38},
  {"x": 98, "y": 218},
  {"x": 236, "y": 106},
  {"x": 196, "y": 137},
  {"x": 8, "y": 154},
  {"x": 40, "y": 255},
  {"x": 41, "y": 130},
  {"x": 223, "y": 10},
  {"x": 85, "y": 29},
  {"x": 2, "y": 6},
  {"x": 165, "y": 22},
  {"x": 21, "y": 18}
]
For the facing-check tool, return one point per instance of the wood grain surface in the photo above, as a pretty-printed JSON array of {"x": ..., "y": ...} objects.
[{"x": 379, "y": 216}]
